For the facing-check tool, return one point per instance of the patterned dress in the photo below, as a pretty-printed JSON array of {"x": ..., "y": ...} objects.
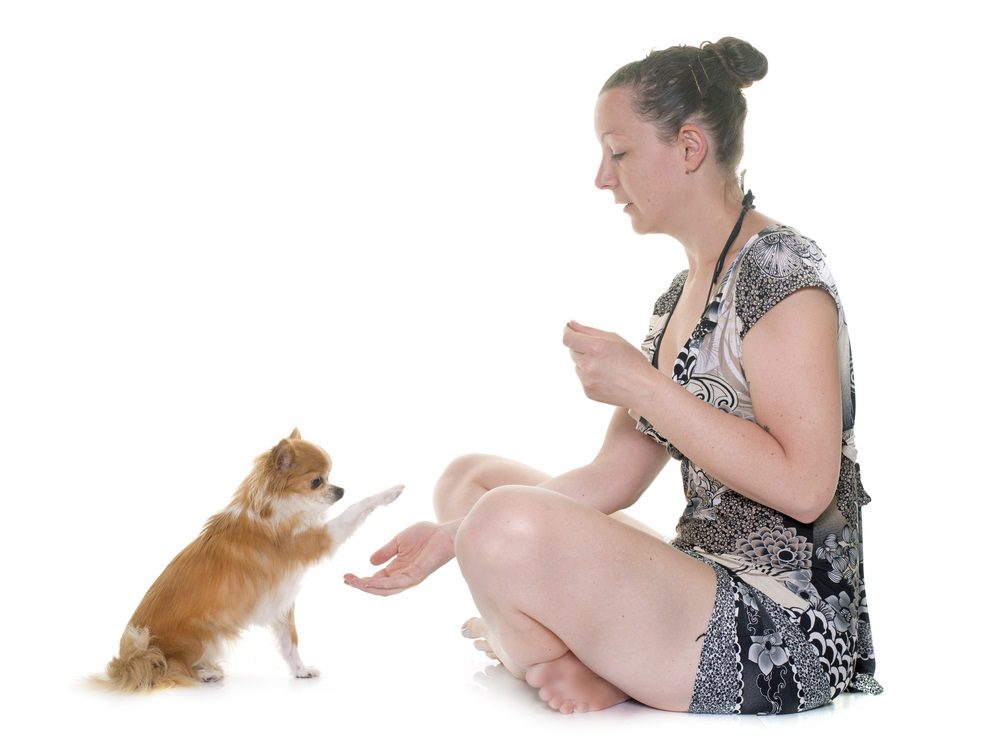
[{"x": 790, "y": 630}]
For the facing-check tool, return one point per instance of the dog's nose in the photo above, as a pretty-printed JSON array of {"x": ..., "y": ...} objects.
[{"x": 337, "y": 492}]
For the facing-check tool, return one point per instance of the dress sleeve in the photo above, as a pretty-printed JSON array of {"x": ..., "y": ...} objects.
[
  {"x": 777, "y": 265},
  {"x": 657, "y": 323},
  {"x": 663, "y": 308}
]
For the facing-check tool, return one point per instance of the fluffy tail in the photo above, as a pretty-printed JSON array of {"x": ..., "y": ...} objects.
[{"x": 142, "y": 667}]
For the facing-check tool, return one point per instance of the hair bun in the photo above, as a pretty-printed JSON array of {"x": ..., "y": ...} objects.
[{"x": 741, "y": 60}]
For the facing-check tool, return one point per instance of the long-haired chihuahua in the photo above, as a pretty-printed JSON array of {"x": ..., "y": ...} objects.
[{"x": 244, "y": 568}]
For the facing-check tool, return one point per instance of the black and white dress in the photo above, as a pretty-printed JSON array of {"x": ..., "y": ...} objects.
[{"x": 790, "y": 630}]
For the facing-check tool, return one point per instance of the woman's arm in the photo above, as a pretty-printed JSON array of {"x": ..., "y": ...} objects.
[
  {"x": 625, "y": 466},
  {"x": 623, "y": 469},
  {"x": 789, "y": 460}
]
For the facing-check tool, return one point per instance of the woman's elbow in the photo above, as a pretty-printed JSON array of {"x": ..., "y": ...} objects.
[{"x": 814, "y": 496}]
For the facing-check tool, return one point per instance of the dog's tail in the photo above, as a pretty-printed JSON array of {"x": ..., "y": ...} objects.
[{"x": 142, "y": 667}]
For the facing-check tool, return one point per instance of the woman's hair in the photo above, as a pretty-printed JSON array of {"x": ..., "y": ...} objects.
[{"x": 673, "y": 86}]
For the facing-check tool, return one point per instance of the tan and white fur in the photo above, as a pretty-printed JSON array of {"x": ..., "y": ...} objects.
[{"x": 244, "y": 568}]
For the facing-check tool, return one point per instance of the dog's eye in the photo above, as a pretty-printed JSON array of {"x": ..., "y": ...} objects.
[{"x": 317, "y": 483}]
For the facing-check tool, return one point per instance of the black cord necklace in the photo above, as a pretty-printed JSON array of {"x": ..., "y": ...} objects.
[{"x": 747, "y": 205}]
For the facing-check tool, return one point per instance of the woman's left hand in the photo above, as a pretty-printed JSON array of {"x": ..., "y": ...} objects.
[
  {"x": 610, "y": 368},
  {"x": 415, "y": 553}
]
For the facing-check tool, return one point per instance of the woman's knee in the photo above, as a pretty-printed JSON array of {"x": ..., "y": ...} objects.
[
  {"x": 465, "y": 468},
  {"x": 469, "y": 477},
  {"x": 505, "y": 529},
  {"x": 462, "y": 477}
]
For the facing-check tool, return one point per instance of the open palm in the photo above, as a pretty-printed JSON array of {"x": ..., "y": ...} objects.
[{"x": 415, "y": 553}]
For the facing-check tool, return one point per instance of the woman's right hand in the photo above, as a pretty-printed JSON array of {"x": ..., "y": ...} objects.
[{"x": 415, "y": 552}]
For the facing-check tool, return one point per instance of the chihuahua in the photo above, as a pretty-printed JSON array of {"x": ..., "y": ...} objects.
[{"x": 244, "y": 568}]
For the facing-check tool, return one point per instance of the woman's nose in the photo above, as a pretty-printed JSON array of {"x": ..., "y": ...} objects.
[{"x": 605, "y": 179}]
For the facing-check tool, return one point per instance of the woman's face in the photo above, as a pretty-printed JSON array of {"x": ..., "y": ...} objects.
[{"x": 639, "y": 169}]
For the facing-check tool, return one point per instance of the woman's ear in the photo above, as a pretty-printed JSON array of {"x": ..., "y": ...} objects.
[{"x": 694, "y": 143}]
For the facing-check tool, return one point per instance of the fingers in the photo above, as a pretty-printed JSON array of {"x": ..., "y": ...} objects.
[
  {"x": 384, "y": 586},
  {"x": 352, "y": 580},
  {"x": 577, "y": 343},
  {"x": 386, "y": 582},
  {"x": 581, "y": 338},
  {"x": 581, "y": 328},
  {"x": 573, "y": 336},
  {"x": 386, "y": 553}
]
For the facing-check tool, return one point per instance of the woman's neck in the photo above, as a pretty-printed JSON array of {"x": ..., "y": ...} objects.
[{"x": 710, "y": 227}]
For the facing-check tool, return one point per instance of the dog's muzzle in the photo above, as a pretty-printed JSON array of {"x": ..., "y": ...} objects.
[{"x": 334, "y": 493}]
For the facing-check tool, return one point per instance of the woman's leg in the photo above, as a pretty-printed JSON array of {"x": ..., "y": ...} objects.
[
  {"x": 469, "y": 477},
  {"x": 463, "y": 483},
  {"x": 585, "y": 605}
]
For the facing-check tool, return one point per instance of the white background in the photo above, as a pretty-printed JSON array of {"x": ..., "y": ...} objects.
[{"x": 222, "y": 220}]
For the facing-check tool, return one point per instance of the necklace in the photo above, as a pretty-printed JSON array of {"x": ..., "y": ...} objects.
[{"x": 747, "y": 205}]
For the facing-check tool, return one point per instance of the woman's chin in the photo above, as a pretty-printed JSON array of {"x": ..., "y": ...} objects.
[
  {"x": 641, "y": 227},
  {"x": 640, "y": 224}
]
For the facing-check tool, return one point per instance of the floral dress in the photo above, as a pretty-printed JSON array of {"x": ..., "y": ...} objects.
[{"x": 790, "y": 630}]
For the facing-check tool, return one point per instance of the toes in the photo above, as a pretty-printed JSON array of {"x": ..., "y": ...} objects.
[
  {"x": 474, "y": 628},
  {"x": 533, "y": 676},
  {"x": 539, "y": 675},
  {"x": 485, "y": 646},
  {"x": 310, "y": 672},
  {"x": 554, "y": 695}
]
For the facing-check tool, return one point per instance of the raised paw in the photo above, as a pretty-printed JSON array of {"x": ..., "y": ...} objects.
[{"x": 389, "y": 495}]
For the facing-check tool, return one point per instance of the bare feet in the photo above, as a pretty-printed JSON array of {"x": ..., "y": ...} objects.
[
  {"x": 570, "y": 687},
  {"x": 485, "y": 640},
  {"x": 476, "y": 629}
]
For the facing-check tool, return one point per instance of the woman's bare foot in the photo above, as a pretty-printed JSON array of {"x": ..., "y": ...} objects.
[
  {"x": 570, "y": 687},
  {"x": 485, "y": 640},
  {"x": 476, "y": 629}
]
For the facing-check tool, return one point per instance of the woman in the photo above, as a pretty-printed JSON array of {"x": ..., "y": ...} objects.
[{"x": 758, "y": 604}]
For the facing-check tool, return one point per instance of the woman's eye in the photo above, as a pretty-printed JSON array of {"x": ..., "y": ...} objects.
[
  {"x": 617, "y": 156},
  {"x": 317, "y": 483}
]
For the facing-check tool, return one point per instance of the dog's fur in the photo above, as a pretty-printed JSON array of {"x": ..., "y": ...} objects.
[{"x": 243, "y": 569}]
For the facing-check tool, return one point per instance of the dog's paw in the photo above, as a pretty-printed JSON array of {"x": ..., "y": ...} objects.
[
  {"x": 210, "y": 675},
  {"x": 306, "y": 672},
  {"x": 389, "y": 495}
]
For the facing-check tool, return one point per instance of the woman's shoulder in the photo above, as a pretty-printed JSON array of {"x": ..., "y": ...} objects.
[
  {"x": 779, "y": 251},
  {"x": 777, "y": 262},
  {"x": 669, "y": 298}
]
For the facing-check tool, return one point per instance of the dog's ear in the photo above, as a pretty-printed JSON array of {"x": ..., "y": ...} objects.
[
  {"x": 295, "y": 434},
  {"x": 283, "y": 456}
]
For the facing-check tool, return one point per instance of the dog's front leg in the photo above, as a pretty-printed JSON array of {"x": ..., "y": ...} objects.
[
  {"x": 343, "y": 526},
  {"x": 288, "y": 641}
]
